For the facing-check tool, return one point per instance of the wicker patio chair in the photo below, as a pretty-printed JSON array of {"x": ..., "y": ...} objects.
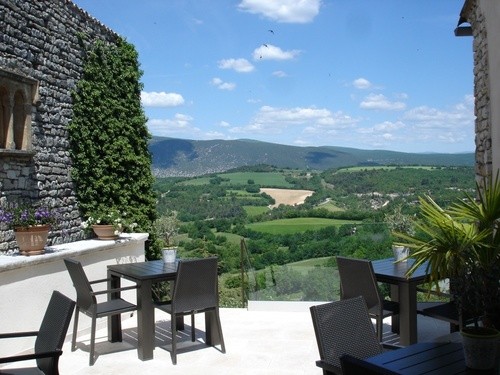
[
  {"x": 195, "y": 291},
  {"x": 447, "y": 311},
  {"x": 343, "y": 327},
  {"x": 354, "y": 366},
  {"x": 357, "y": 278},
  {"x": 49, "y": 338},
  {"x": 86, "y": 302}
]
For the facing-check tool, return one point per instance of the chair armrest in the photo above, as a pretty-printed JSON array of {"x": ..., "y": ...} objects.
[
  {"x": 434, "y": 292},
  {"x": 17, "y": 334},
  {"x": 108, "y": 291},
  {"x": 26, "y": 357},
  {"x": 329, "y": 367},
  {"x": 386, "y": 345},
  {"x": 100, "y": 281}
]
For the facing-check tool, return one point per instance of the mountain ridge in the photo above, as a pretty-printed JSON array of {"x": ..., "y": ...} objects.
[{"x": 174, "y": 157}]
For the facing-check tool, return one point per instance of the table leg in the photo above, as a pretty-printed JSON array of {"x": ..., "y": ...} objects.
[
  {"x": 179, "y": 323},
  {"x": 395, "y": 318},
  {"x": 114, "y": 322},
  {"x": 145, "y": 321},
  {"x": 408, "y": 313}
]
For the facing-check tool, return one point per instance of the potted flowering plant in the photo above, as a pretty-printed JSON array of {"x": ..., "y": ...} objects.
[
  {"x": 107, "y": 224},
  {"x": 18, "y": 217},
  {"x": 31, "y": 226}
]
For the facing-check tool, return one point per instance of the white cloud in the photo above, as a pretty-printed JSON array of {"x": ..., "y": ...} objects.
[
  {"x": 427, "y": 117},
  {"x": 221, "y": 85},
  {"x": 271, "y": 120},
  {"x": 214, "y": 135},
  {"x": 389, "y": 126},
  {"x": 286, "y": 11},
  {"x": 431, "y": 126},
  {"x": 270, "y": 52},
  {"x": 379, "y": 101},
  {"x": 179, "y": 126},
  {"x": 161, "y": 99},
  {"x": 253, "y": 100},
  {"x": 280, "y": 74},
  {"x": 239, "y": 65},
  {"x": 361, "y": 83}
]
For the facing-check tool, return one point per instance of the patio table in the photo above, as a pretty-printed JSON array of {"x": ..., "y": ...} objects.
[
  {"x": 403, "y": 290},
  {"x": 439, "y": 358},
  {"x": 145, "y": 274}
]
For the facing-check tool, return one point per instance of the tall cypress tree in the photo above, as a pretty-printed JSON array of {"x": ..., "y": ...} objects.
[{"x": 109, "y": 137}]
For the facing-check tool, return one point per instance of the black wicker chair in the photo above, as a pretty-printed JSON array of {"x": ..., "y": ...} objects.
[
  {"x": 448, "y": 311},
  {"x": 343, "y": 327},
  {"x": 86, "y": 302},
  {"x": 195, "y": 291},
  {"x": 357, "y": 278},
  {"x": 49, "y": 338}
]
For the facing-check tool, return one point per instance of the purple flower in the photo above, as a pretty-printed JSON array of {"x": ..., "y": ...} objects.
[
  {"x": 26, "y": 216},
  {"x": 6, "y": 216}
]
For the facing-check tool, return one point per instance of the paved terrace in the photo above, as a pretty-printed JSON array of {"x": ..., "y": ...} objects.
[{"x": 257, "y": 342}]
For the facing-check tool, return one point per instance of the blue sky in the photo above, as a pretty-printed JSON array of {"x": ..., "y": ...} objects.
[{"x": 368, "y": 74}]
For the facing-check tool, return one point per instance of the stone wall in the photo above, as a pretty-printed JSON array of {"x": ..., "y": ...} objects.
[
  {"x": 473, "y": 13},
  {"x": 41, "y": 40}
]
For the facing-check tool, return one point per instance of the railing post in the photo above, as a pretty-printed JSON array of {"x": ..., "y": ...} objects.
[{"x": 242, "y": 249}]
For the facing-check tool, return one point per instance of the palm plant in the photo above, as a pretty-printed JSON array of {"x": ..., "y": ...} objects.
[{"x": 462, "y": 243}]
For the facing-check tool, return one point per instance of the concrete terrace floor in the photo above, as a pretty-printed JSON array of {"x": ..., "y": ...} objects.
[{"x": 257, "y": 342}]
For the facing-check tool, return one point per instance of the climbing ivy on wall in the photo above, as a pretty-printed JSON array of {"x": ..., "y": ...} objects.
[{"x": 109, "y": 138}]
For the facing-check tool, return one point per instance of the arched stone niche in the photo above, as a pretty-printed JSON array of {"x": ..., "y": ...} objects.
[{"x": 18, "y": 95}]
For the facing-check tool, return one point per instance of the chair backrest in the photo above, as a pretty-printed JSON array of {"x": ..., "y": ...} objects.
[
  {"x": 355, "y": 366},
  {"x": 357, "y": 278},
  {"x": 84, "y": 297},
  {"x": 53, "y": 330},
  {"x": 196, "y": 285},
  {"x": 344, "y": 327}
]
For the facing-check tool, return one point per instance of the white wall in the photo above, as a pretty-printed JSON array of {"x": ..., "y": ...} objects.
[{"x": 26, "y": 283}]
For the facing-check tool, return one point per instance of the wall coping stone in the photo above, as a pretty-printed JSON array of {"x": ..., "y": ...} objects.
[{"x": 71, "y": 249}]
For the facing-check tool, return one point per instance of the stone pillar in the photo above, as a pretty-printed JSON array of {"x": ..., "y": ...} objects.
[
  {"x": 9, "y": 134},
  {"x": 491, "y": 53}
]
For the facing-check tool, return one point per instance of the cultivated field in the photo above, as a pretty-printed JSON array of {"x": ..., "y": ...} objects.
[
  {"x": 297, "y": 225},
  {"x": 287, "y": 196}
]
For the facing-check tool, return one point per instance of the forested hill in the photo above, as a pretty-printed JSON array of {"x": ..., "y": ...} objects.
[{"x": 182, "y": 157}]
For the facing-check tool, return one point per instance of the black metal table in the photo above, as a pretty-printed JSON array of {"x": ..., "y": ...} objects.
[
  {"x": 403, "y": 290},
  {"x": 145, "y": 274},
  {"x": 438, "y": 358}
]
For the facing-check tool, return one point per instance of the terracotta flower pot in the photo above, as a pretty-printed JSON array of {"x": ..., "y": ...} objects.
[
  {"x": 32, "y": 240},
  {"x": 105, "y": 232}
]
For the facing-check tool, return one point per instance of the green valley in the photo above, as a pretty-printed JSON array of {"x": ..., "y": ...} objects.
[{"x": 223, "y": 213}]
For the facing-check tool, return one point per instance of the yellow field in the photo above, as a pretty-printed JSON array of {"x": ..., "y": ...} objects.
[{"x": 288, "y": 197}]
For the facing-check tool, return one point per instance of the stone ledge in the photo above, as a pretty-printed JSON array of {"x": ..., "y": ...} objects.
[{"x": 52, "y": 253}]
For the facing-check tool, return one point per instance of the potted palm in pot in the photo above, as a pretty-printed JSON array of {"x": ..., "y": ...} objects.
[{"x": 462, "y": 243}]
